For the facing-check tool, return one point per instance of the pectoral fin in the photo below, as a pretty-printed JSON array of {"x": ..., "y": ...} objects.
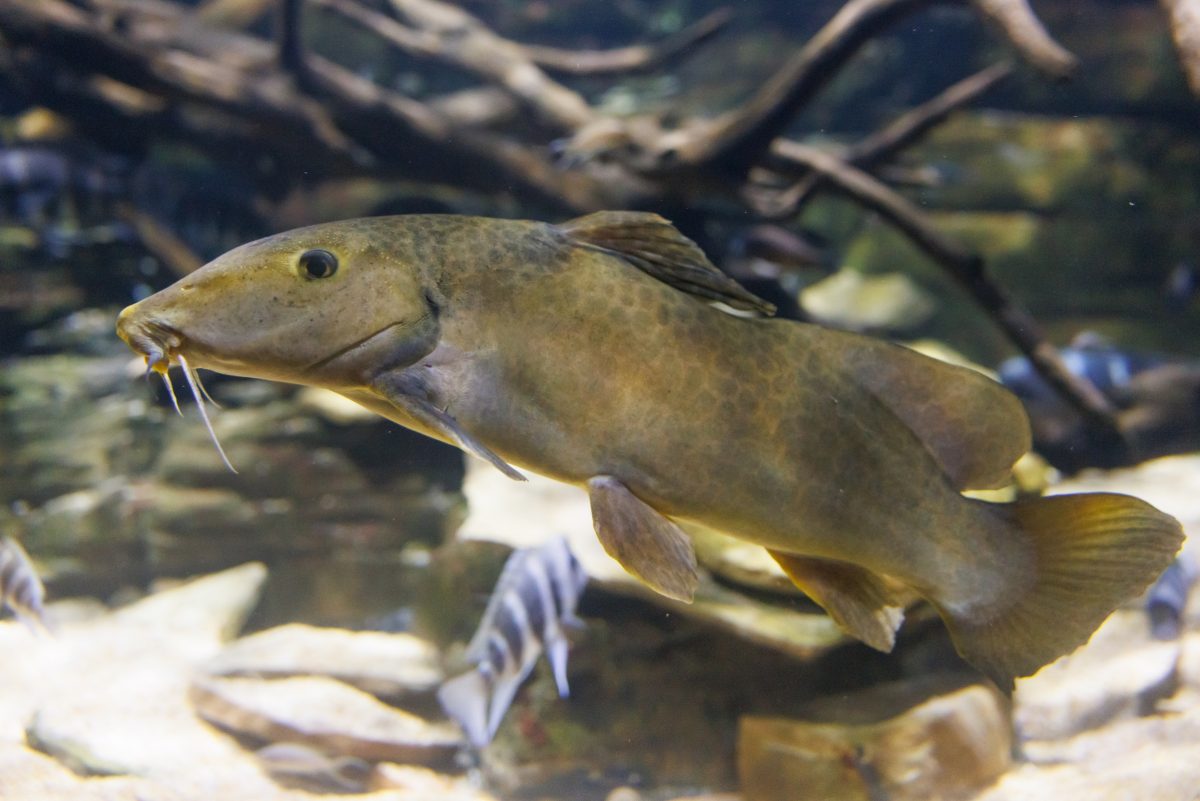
[
  {"x": 443, "y": 424},
  {"x": 857, "y": 600},
  {"x": 648, "y": 545}
]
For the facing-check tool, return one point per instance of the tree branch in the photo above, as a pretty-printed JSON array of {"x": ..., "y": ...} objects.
[
  {"x": 968, "y": 269},
  {"x": 1022, "y": 27},
  {"x": 473, "y": 47},
  {"x": 905, "y": 130},
  {"x": 634, "y": 58}
]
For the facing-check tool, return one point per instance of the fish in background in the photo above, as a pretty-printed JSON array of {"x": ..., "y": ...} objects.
[
  {"x": 1167, "y": 599},
  {"x": 534, "y": 600},
  {"x": 1089, "y": 356},
  {"x": 20, "y": 587},
  {"x": 1156, "y": 398}
]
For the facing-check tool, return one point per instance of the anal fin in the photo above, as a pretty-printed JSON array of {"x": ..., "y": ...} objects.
[
  {"x": 649, "y": 546},
  {"x": 859, "y": 601}
]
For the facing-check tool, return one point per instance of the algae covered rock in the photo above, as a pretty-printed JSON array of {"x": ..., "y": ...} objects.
[
  {"x": 1122, "y": 672},
  {"x": 895, "y": 742},
  {"x": 379, "y": 663},
  {"x": 325, "y": 714},
  {"x": 108, "y": 695}
]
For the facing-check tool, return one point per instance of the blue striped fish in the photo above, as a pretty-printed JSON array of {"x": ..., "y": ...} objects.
[
  {"x": 534, "y": 600},
  {"x": 20, "y": 588}
]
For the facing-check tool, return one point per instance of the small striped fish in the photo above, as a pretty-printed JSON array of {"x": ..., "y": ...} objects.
[
  {"x": 20, "y": 588},
  {"x": 535, "y": 597},
  {"x": 1167, "y": 599}
]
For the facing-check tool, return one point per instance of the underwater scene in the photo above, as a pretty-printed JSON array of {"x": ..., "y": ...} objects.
[{"x": 553, "y": 400}]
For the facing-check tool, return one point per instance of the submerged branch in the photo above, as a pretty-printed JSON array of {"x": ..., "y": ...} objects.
[
  {"x": 470, "y": 45},
  {"x": 905, "y": 130},
  {"x": 968, "y": 269},
  {"x": 1022, "y": 27},
  {"x": 634, "y": 58},
  {"x": 739, "y": 139},
  {"x": 909, "y": 127},
  {"x": 157, "y": 238}
]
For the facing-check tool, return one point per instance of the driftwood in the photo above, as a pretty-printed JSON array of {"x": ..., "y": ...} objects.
[{"x": 150, "y": 68}]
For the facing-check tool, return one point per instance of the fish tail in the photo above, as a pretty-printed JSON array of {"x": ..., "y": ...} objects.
[
  {"x": 1090, "y": 553},
  {"x": 465, "y": 699}
]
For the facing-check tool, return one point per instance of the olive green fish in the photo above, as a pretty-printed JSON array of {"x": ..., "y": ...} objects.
[{"x": 591, "y": 352}]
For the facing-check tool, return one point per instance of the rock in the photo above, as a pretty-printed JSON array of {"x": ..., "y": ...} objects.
[
  {"x": 333, "y": 407},
  {"x": 425, "y": 783},
  {"x": 1122, "y": 672},
  {"x": 849, "y": 299},
  {"x": 1148, "y": 759},
  {"x": 112, "y": 693},
  {"x": 381, "y": 664},
  {"x": 297, "y": 765},
  {"x": 939, "y": 747},
  {"x": 212, "y": 607},
  {"x": 740, "y": 562},
  {"x": 324, "y": 714}
]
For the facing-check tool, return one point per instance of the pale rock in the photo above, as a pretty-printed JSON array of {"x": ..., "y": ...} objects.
[
  {"x": 425, "y": 783},
  {"x": 740, "y": 562},
  {"x": 1139, "y": 759},
  {"x": 942, "y": 747},
  {"x": 1122, "y": 672},
  {"x": 212, "y": 607},
  {"x": 849, "y": 299},
  {"x": 332, "y": 406},
  {"x": 376, "y": 662},
  {"x": 325, "y": 714},
  {"x": 112, "y": 693}
]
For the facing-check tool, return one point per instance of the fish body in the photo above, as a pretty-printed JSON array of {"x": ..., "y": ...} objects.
[
  {"x": 590, "y": 352},
  {"x": 535, "y": 597},
  {"x": 20, "y": 587}
]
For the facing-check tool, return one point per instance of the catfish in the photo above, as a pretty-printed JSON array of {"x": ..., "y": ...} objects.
[{"x": 607, "y": 352}]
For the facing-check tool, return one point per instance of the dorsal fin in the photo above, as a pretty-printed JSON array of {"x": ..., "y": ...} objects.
[
  {"x": 973, "y": 426},
  {"x": 654, "y": 246}
]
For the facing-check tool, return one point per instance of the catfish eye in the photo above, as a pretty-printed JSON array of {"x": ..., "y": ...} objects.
[{"x": 318, "y": 263}]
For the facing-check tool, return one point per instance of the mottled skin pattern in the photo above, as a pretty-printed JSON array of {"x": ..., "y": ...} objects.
[
  {"x": 529, "y": 344},
  {"x": 747, "y": 426},
  {"x": 572, "y": 363}
]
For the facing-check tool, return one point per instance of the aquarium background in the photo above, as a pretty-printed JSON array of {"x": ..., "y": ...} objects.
[{"x": 142, "y": 139}]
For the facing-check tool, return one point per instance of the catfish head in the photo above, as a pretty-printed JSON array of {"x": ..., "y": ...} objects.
[{"x": 322, "y": 306}]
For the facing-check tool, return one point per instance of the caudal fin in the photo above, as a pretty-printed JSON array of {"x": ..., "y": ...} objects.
[
  {"x": 465, "y": 699},
  {"x": 1092, "y": 552}
]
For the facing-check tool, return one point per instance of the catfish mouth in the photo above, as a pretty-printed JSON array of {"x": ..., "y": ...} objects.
[
  {"x": 159, "y": 344},
  {"x": 154, "y": 340}
]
